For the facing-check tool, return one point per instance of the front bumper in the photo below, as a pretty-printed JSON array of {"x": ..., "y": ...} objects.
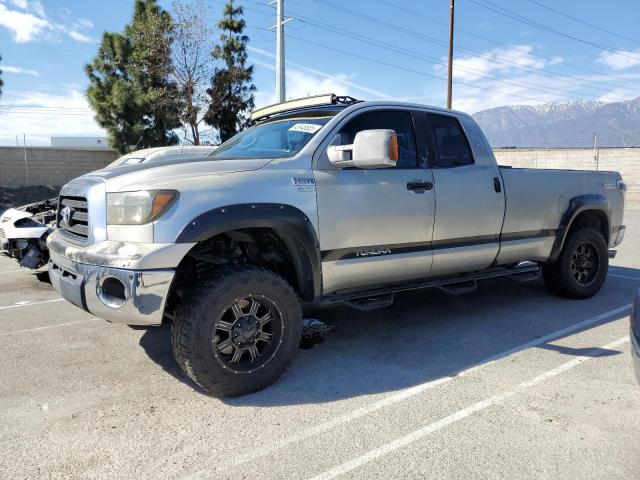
[
  {"x": 83, "y": 275},
  {"x": 144, "y": 292}
]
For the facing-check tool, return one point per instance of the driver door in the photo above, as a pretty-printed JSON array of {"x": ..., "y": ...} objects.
[{"x": 375, "y": 225}]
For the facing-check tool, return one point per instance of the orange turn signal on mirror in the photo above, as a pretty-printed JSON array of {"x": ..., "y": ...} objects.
[{"x": 393, "y": 148}]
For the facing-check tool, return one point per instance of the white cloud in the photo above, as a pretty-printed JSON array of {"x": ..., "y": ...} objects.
[
  {"x": 20, "y": 3},
  {"x": 25, "y": 27},
  {"x": 303, "y": 81},
  {"x": 83, "y": 23},
  {"x": 79, "y": 37},
  {"x": 18, "y": 70},
  {"x": 40, "y": 115},
  {"x": 37, "y": 7},
  {"x": 301, "y": 84},
  {"x": 620, "y": 60},
  {"x": 498, "y": 60},
  {"x": 497, "y": 94},
  {"x": 33, "y": 23},
  {"x": 618, "y": 95}
]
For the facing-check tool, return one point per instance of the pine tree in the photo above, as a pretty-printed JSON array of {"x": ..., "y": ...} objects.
[
  {"x": 231, "y": 90},
  {"x": 130, "y": 89}
]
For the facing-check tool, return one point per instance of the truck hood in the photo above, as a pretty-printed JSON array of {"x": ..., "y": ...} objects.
[
  {"x": 181, "y": 166},
  {"x": 167, "y": 174}
]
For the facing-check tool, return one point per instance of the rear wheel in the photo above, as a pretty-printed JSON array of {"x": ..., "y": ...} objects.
[
  {"x": 581, "y": 268},
  {"x": 238, "y": 331}
]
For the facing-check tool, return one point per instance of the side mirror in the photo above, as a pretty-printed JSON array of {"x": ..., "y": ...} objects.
[{"x": 370, "y": 149}]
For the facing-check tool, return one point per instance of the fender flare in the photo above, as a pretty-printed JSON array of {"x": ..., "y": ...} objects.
[
  {"x": 290, "y": 224},
  {"x": 578, "y": 205}
]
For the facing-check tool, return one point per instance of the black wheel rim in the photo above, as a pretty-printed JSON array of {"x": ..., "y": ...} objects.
[
  {"x": 248, "y": 334},
  {"x": 585, "y": 263}
]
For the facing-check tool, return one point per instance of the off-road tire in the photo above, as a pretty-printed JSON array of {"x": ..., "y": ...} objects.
[
  {"x": 559, "y": 276},
  {"x": 193, "y": 329}
]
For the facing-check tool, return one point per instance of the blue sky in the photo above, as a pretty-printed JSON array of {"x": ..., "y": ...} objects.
[{"x": 369, "y": 49}]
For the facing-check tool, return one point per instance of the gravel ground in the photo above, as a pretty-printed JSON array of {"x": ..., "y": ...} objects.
[{"x": 506, "y": 382}]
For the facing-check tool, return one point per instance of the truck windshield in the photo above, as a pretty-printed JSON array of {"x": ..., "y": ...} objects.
[{"x": 272, "y": 139}]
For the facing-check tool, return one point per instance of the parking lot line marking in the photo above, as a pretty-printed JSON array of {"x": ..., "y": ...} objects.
[
  {"x": 28, "y": 304},
  {"x": 37, "y": 329},
  {"x": 12, "y": 271},
  {"x": 623, "y": 276},
  {"x": 426, "y": 430},
  {"x": 418, "y": 389}
]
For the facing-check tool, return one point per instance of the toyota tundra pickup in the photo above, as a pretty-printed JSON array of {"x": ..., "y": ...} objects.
[{"x": 324, "y": 200}]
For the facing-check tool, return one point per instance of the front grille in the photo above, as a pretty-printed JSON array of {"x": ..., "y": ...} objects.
[{"x": 75, "y": 209}]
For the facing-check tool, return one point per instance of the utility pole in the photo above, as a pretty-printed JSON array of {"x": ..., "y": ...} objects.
[
  {"x": 450, "y": 77},
  {"x": 26, "y": 166},
  {"x": 281, "y": 95},
  {"x": 596, "y": 153}
]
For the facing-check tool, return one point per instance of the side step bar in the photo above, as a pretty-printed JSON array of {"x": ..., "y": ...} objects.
[{"x": 383, "y": 296}]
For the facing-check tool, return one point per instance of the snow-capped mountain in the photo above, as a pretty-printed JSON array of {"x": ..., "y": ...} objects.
[{"x": 567, "y": 124}]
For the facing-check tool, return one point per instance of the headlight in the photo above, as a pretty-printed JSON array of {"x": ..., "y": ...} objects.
[{"x": 137, "y": 208}]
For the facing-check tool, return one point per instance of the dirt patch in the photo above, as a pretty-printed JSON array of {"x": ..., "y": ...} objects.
[{"x": 14, "y": 197}]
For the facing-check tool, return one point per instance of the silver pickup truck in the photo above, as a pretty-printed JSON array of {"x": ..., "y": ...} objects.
[{"x": 324, "y": 200}]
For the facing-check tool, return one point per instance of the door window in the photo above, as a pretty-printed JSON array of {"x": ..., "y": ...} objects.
[
  {"x": 398, "y": 121},
  {"x": 452, "y": 148}
]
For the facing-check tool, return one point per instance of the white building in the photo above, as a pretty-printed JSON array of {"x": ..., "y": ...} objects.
[{"x": 80, "y": 142}]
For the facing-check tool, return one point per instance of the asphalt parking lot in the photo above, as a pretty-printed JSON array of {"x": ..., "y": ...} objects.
[{"x": 506, "y": 382}]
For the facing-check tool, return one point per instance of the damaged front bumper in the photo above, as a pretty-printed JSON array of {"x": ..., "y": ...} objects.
[{"x": 117, "y": 281}]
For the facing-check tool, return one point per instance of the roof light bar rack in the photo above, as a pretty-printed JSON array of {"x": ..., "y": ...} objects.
[{"x": 315, "y": 101}]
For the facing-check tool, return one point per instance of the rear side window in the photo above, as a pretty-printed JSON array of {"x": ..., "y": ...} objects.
[
  {"x": 452, "y": 148},
  {"x": 398, "y": 121}
]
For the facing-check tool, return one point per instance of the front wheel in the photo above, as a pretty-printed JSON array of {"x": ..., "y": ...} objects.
[
  {"x": 238, "y": 331},
  {"x": 581, "y": 268}
]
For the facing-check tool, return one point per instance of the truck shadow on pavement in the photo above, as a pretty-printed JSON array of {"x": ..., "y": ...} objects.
[{"x": 424, "y": 336}]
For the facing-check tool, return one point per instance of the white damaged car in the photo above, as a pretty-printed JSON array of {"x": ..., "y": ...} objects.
[{"x": 24, "y": 231}]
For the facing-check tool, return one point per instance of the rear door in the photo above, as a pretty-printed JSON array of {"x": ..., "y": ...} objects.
[
  {"x": 375, "y": 224},
  {"x": 469, "y": 197}
]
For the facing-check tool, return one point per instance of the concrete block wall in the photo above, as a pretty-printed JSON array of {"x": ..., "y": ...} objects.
[
  {"x": 56, "y": 166},
  {"x": 623, "y": 160},
  {"x": 49, "y": 166}
]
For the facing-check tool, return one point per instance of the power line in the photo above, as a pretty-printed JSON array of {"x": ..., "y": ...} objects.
[
  {"x": 437, "y": 41},
  {"x": 42, "y": 107},
  {"x": 546, "y": 7},
  {"x": 489, "y": 5},
  {"x": 421, "y": 57},
  {"x": 50, "y": 113},
  {"x": 502, "y": 44},
  {"x": 424, "y": 58},
  {"x": 406, "y": 69}
]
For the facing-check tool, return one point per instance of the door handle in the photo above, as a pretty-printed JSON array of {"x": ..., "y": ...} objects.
[
  {"x": 419, "y": 186},
  {"x": 496, "y": 185}
]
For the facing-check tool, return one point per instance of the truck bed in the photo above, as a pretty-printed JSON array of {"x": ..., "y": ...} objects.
[{"x": 535, "y": 201}]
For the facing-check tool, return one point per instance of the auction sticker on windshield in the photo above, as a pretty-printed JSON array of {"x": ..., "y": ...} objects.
[{"x": 305, "y": 127}]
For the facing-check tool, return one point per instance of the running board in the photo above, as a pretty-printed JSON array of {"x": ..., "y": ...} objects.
[
  {"x": 383, "y": 296},
  {"x": 367, "y": 304},
  {"x": 460, "y": 288}
]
